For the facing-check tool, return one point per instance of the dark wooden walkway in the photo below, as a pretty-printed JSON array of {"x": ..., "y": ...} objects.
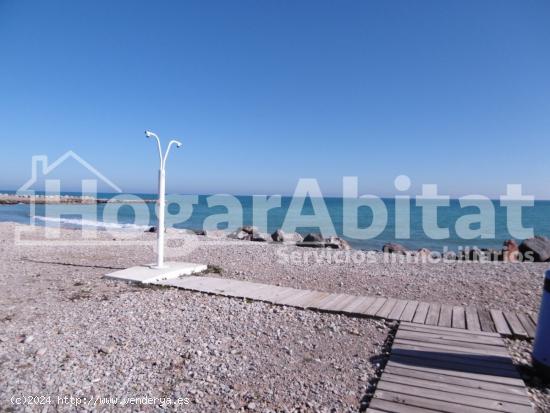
[
  {"x": 469, "y": 318},
  {"x": 448, "y": 370}
]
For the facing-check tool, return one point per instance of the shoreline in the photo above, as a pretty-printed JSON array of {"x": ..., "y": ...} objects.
[
  {"x": 6, "y": 199},
  {"x": 495, "y": 284}
]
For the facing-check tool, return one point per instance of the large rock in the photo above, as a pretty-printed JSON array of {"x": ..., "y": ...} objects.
[
  {"x": 424, "y": 252},
  {"x": 240, "y": 235},
  {"x": 537, "y": 247},
  {"x": 155, "y": 229},
  {"x": 260, "y": 237},
  {"x": 510, "y": 251},
  {"x": 313, "y": 237},
  {"x": 394, "y": 248},
  {"x": 337, "y": 243},
  {"x": 249, "y": 229},
  {"x": 278, "y": 236},
  {"x": 293, "y": 237},
  {"x": 314, "y": 240}
]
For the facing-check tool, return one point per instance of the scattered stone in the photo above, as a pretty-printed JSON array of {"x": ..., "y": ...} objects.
[
  {"x": 249, "y": 229},
  {"x": 293, "y": 237},
  {"x": 394, "y": 248},
  {"x": 314, "y": 240},
  {"x": 510, "y": 251},
  {"x": 108, "y": 348},
  {"x": 41, "y": 351},
  {"x": 240, "y": 235},
  {"x": 424, "y": 252},
  {"x": 260, "y": 237},
  {"x": 314, "y": 237},
  {"x": 537, "y": 247},
  {"x": 337, "y": 243},
  {"x": 278, "y": 236}
]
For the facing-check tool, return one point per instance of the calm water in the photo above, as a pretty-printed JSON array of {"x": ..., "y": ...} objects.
[{"x": 537, "y": 217}]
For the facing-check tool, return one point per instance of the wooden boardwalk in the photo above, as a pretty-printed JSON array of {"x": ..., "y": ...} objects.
[
  {"x": 469, "y": 318},
  {"x": 449, "y": 370}
]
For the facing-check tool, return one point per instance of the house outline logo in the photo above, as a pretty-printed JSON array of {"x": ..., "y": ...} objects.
[{"x": 42, "y": 160}]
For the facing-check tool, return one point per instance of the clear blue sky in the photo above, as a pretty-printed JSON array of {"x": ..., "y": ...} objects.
[{"x": 265, "y": 92}]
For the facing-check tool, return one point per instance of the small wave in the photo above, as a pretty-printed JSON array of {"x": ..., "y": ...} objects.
[{"x": 90, "y": 223}]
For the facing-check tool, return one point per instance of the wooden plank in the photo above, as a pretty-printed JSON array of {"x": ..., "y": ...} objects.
[
  {"x": 434, "y": 352},
  {"x": 423, "y": 327},
  {"x": 237, "y": 288},
  {"x": 449, "y": 338},
  {"x": 459, "y": 317},
  {"x": 395, "y": 407},
  {"x": 446, "y": 345},
  {"x": 343, "y": 303},
  {"x": 253, "y": 293},
  {"x": 459, "y": 402},
  {"x": 444, "y": 348},
  {"x": 209, "y": 285},
  {"x": 407, "y": 363},
  {"x": 515, "y": 324},
  {"x": 378, "y": 303},
  {"x": 300, "y": 296},
  {"x": 451, "y": 364},
  {"x": 421, "y": 313},
  {"x": 327, "y": 301},
  {"x": 446, "y": 316},
  {"x": 270, "y": 293},
  {"x": 475, "y": 382},
  {"x": 513, "y": 401},
  {"x": 486, "y": 321},
  {"x": 316, "y": 299},
  {"x": 360, "y": 306},
  {"x": 283, "y": 295},
  {"x": 409, "y": 311},
  {"x": 432, "y": 318},
  {"x": 472, "y": 319},
  {"x": 397, "y": 310},
  {"x": 500, "y": 323},
  {"x": 386, "y": 308},
  {"x": 405, "y": 400},
  {"x": 354, "y": 304},
  {"x": 474, "y": 390},
  {"x": 192, "y": 283},
  {"x": 527, "y": 324}
]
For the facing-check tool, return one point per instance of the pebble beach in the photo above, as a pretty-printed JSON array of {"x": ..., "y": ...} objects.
[{"x": 66, "y": 331}]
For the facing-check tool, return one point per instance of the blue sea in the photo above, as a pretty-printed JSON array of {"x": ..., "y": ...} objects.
[{"x": 536, "y": 217}]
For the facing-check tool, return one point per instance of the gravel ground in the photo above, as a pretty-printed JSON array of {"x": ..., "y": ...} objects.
[{"x": 65, "y": 332}]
